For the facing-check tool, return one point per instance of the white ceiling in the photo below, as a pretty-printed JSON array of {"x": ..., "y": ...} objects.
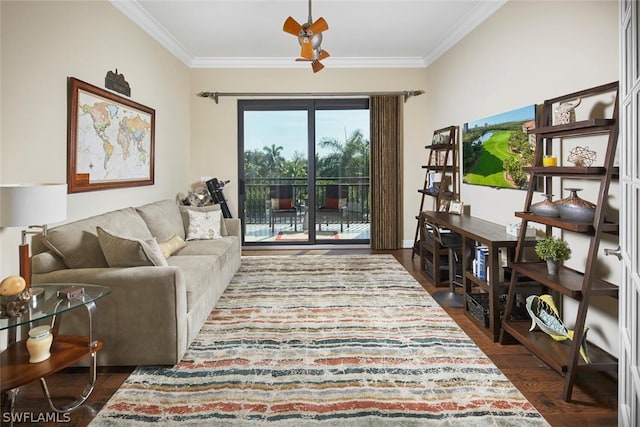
[{"x": 362, "y": 33}]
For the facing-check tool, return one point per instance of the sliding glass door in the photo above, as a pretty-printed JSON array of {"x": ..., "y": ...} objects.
[{"x": 304, "y": 171}]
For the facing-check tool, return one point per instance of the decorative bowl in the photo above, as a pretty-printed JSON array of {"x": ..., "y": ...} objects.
[{"x": 574, "y": 208}]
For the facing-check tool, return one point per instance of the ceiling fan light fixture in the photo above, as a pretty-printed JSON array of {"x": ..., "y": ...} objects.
[
  {"x": 310, "y": 38},
  {"x": 307, "y": 49},
  {"x": 316, "y": 66}
]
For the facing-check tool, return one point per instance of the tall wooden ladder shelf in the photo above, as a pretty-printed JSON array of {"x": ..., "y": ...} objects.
[
  {"x": 564, "y": 357},
  {"x": 442, "y": 159}
]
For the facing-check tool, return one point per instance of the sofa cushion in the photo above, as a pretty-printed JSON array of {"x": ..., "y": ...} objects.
[
  {"x": 120, "y": 251},
  {"x": 77, "y": 242},
  {"x": 224, "y": 249},
  {"x": 198, "y": 271},
  {"x": 163, "y": 219},
  {"x": 204, "y": 225},
  {"x": 171, "y": 246},
  {"x": 185, "y": 216}
]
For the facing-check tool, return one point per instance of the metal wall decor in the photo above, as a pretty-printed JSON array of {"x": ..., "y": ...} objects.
[
  {"x": 582, "y": 156},
  {"x": 116, "y": 82}
]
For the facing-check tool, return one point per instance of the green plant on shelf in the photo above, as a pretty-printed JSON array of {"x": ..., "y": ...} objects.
[{"x": 553, "y": 248}]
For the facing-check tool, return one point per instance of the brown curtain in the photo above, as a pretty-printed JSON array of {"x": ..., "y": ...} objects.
[{"x": 386, "y": 171}]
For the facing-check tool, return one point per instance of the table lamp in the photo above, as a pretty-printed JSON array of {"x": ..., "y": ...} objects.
[{"x": 31, "y": 206}]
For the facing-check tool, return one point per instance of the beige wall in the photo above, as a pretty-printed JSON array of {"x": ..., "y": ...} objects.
[
  {"x": 525, "y": 53},
  {"x": 45, "y": 42}
]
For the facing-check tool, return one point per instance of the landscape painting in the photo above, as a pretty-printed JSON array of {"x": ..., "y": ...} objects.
[{"x": 496, "y": 149}]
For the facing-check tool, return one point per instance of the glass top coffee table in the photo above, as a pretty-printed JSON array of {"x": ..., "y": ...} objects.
[{"x": 49, "y": 306}]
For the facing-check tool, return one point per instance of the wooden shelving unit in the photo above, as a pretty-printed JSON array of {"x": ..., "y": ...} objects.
[
  {"x": 442, "y": 159},
  {"x": 580, "y": 286}
]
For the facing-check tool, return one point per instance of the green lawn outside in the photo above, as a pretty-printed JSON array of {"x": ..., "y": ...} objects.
[{"x": 489, "y": 170}]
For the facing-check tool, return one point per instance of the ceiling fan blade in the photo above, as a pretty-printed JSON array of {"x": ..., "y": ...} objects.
[
  {"x": 303, "y": 59},
  {"x": 316, "y": 66},
  {"x": 323, "y": 54},
  {"x": 291, "y": 26},
  {"x": 307, "y": 49},
  {"x": 319, "y": 26}
]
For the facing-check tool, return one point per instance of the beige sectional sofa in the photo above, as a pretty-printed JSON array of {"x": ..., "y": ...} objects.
[{"x": 166, "y": 266}]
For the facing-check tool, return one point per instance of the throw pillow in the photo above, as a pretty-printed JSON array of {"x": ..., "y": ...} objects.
[
  {"x": 122, "y": 251},
  {"x": 184, "y": 210},
  {"x": 204, "y": 225},
  {"x": 171, "y": 246},
  {"x": 332, "y": 203},
  {"x": 77, "y": 242},
  {"x": 281, "y": 203}
]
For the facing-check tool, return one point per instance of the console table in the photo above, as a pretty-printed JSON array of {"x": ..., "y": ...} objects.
[
  {"x": 479, "y": 231},
  {"x": 15, "y": 369}
]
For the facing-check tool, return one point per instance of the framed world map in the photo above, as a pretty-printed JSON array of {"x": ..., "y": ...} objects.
[{"x": 110, "y": 140}]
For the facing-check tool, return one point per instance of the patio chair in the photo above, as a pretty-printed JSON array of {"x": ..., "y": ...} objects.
[
  {"x": 335, "y": 206},
  {"x": 282, "y": 205}
]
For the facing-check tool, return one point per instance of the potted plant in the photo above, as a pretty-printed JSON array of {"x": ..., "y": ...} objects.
[{"x": 553, "y": 250}]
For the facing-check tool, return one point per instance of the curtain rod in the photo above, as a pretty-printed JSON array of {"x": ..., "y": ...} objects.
[{"x": 215, "y": 95}]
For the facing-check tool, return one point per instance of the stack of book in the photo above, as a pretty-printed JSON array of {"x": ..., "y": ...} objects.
[{"x": 481, "y": 262}]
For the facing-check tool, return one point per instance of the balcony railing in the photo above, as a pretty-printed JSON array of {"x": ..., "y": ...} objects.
[{"x": 257, "y": 198}]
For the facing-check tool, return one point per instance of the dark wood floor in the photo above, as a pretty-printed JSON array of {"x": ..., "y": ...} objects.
[{"x": 594, "y": 397}]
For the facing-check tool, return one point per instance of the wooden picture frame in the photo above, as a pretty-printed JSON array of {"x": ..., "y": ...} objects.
[
  {"x": 443, "y": 206},
  {"x": 110, "y": 140},
  {"x": 455, "y": 207}
]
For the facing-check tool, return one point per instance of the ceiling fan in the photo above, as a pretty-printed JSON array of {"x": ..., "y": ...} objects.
[{"x": 310, "y": 37}]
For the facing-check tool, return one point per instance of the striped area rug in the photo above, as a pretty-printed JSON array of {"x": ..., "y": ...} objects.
[{"x": 324, "y": 340}]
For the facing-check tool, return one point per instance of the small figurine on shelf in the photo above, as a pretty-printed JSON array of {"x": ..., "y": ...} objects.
[
  {"x": 14, "y": 297},
  {"x": 582, "y": 156},
  {"x": 198, "y": 197},
  {"x": 544, "y": 313},
  {"x": 565, "y": 112}
]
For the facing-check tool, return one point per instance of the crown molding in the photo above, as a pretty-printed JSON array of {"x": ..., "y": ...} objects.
[
  {"x": 140, "y": 17},
  {"x": 288, "y": 62},
  {"x": 132, "y": 10},
  {"x": 467, "y": 24}
]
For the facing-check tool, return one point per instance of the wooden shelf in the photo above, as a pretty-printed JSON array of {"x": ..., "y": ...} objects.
[
  {"x": 442, "y": 158},
  {"x": 437, "y": 147},
  {"x": 427, "y": 193},
  {"x": 578, "y": 227},
  {"x": 431, "y": 253},
  {"x": 584, "y": 127},
  {"x": 65, "y": 351},
  {"x": 557, "y": 354},
  {"x": 594, "y": 172},
  {"x": 563, "y": 356},
  {"x": 439, "y": 168},
  {"x": 581, "y": 172},
  {"x": 568, "y": 282}
]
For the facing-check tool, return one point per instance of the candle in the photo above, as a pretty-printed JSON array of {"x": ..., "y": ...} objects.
[{"x": 549, "y": 161}]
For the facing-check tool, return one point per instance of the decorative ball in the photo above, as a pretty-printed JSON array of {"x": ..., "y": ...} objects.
[
  {"x": 12, "y": 285},
  {"x": 582, "y": 156}
]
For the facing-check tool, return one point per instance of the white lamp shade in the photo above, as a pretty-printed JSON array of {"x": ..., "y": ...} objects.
[{"x": 32, "y": 204}]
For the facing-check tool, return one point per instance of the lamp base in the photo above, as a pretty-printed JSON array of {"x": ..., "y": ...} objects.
[
  {"x": 25, "y": 264},
  {"x": 37, "y": 294}
]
